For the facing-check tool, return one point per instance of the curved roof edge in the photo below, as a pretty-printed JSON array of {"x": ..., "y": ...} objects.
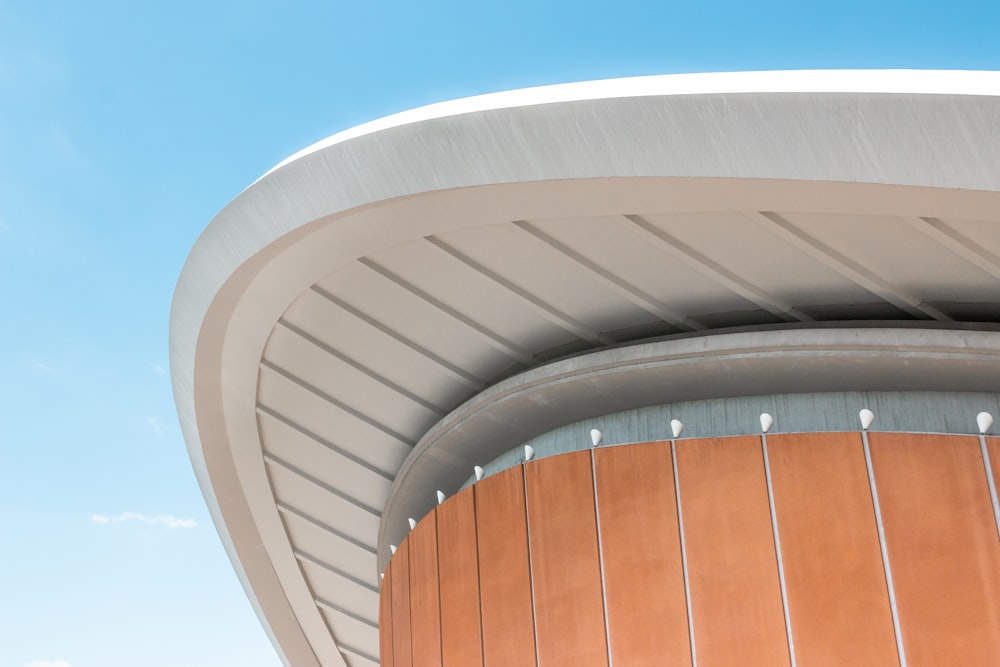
[{"x": 882, "y": 81}]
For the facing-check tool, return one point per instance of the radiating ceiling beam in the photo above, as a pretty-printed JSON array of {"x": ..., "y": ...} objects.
[
  {"x": 384, "y": 381},
  {"x": 719, "y": 273},
  {"x": 346, "y": 648},
  {"x": 961, "y": 245},
  {"x": 617, "y": 284},
  {"x": 292, "y": 468},
  {"x": 337, "y": 403},
  {"x": 494, "y": 340},
  {"x": 469, "y": 380},
  {"x": 289, "y": 510},
  {"x": 263, "y": 410},
  {"x": 337, "y": 609},
  {"x": 309, "y": 558},
  {"x": 846, "y": 266},
  {"x": 549, "y": 312}
]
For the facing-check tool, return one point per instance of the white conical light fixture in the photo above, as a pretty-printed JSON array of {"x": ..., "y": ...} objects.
[
  {"x": 766, "y": 422},
  {"x": 412, "y": 522},
  {"x": 480, "y": 473},
  {"x": 984, "y": 420},
  {"x": 441, "y": 497},
  {"x": 867, "y": 418},
  {"x": 392, "y": 549},
  {"x": 529, "y": 452},
  {"x": 596, "y": 437},
  {"x": 676, "y": 427}
]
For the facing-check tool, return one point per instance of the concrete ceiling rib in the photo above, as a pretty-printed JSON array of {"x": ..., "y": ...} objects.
[
  {"x": 847, "y": 267},
  {"x": 548, "y": 311},
  {"x": 462, "y": 376},
  {"x": 719, "y": 273},
  {"x": 622, "y": 287},
  {"x": 968, "y": 249},
  {"x": 505, "y": 346}
]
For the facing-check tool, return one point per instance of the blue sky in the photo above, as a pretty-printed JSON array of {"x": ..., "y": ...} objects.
[{"x": 125, "y": 126}]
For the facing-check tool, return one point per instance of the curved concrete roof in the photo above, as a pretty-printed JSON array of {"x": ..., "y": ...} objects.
[{"x": 347, "y": 301}]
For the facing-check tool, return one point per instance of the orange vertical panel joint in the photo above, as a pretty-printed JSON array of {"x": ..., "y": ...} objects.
[
  {"x": 385, "y": 620},
  {"x": 993, "y": 447},
  {"x": 643, "y": 571},
  {"x": 402, "y": 655},
  {"x": 837, "y": 594},
  {"x": 505, "y": 578},
  {"x": 942, "y": 543},
  {"x": 565, "y": 562},
  {"x": 458, "y": 565},
  {"x": 425, "y": 610},
  {"x": 732, "y": 564}
]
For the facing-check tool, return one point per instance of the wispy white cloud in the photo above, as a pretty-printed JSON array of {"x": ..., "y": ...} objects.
[
  {"x": 39, "y": 367},
  {"x": 158, "y": 369},
  {"x": 155, "y": 423},
  {"x": 48, "y": 663},
  {"x": 161, "y": 520}
]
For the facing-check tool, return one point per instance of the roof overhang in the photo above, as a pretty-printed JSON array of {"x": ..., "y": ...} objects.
[{"x": 901, "y": 165}]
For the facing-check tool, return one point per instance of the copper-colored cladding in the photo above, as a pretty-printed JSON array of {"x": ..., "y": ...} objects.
[
  {"x": 458, "y": 561},
  {"x": 940, "y": 530},
  {"x": 735, "y": 591},
  {"x": 566, "y": 569},
  {"x": 643, "y": 572},
  {"x": 993, "y": 446},
  {"x": 942, "y": 545},
  {"x": 425, "y": 611},
  {"x": 401, "y": 653},
  {"x": 837, "y": 595},
  {"x": 385, "y": 620},
  {"x": 505, "y": 580}
]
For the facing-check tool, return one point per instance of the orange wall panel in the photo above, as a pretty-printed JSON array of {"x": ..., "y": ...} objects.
[
  {"x": 643, "y": 572},
  {"x": 565, "y": 565},
  {"x": 505, "y": 578},
  {"x": 735, "y": 592},
  {"x": 458, "y": 560},
  {"x": 993, "y": 446},
  {"x": 425, "y": 610},
  {"x": 837, "y": 595},
  {"x": 943, "y": 548},
  {"x": 400, "y": 565},
  {"x": 385, "y": 620}
]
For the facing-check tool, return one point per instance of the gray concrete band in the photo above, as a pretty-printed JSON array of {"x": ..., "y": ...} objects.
[{"x": 750, "y": 363}]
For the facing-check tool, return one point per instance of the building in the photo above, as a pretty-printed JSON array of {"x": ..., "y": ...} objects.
[{"x": 681, "y": 261}]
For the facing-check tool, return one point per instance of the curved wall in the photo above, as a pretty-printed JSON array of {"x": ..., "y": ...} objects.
[
  {"x": 810, "y": 412},
  {"x": 743, "y": 550}
]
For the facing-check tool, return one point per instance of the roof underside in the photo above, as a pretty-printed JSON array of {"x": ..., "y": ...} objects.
[{"x": 308, "y": 370}]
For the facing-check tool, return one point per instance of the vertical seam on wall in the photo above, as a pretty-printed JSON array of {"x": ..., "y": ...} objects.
[
  {"x": 437, "y": 567},
  {"x": 479, "y": 578},
  {"x": 989, "y": 480},
  {"x": 777, "y": 550},
  {"x": 684, "y": 562},
  {"x": 409, "y": 600},
  {"x": 388, "y": 591},
  {"x": 531, "y": 569},
  {"x": 885, "y": 551},
  {"x": 600, "y": 556}
]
